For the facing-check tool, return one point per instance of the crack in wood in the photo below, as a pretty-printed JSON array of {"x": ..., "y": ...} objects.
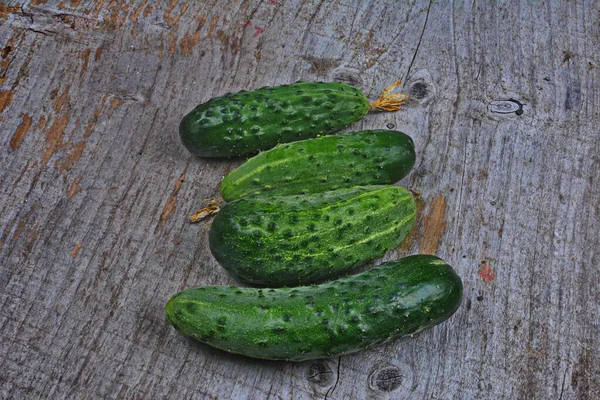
[
  {"x": 337, "y": 379},
  {"x": 419, "y": 42}
]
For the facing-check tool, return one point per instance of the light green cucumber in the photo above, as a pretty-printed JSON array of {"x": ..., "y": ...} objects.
[{"x": 372, "y": 157}]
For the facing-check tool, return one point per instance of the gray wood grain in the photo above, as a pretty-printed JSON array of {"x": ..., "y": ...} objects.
[{"x": 95, "y": 190}]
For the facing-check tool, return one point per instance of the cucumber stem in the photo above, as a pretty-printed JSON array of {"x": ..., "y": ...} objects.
[
  {"x": 388, "y": 101},
  {"x": 213, "y": 206}
]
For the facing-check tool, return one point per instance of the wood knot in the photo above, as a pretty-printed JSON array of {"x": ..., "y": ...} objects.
[
  {"x": 418, "y": 90},
  {"x": 320, "y": 374},
  {"x": 421, "y": 88},
  {"x": 386, "y": 379}
]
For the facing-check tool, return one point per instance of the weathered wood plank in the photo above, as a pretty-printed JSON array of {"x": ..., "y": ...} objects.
[{"x": 95, "y": 190}]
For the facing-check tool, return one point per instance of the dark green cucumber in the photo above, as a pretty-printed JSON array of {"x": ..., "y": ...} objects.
[
  {"x": 294, "y": 240},
  {"x": 314, "y": 165},
  {"x": 245, "y": 122},
  {"x": 393, "y": 300}
]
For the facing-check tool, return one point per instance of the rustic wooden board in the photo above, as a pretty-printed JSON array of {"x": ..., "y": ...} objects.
[{"x": 95, "y": 190}]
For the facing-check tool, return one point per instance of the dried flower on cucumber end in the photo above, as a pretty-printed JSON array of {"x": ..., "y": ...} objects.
[{"x": 388, "y": 101}]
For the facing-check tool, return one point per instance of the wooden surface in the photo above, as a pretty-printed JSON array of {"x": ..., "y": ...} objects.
[{"x": 95, "y": 190}]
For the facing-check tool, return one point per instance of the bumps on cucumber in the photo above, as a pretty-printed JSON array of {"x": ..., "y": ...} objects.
[
  {"x": 310, "y": 209},
  {"x": 299, "y": 239},
  {"x": 245, "y": 122},
  {"x": 390, "y": 301},
  {"x": 371, "y": 157}
]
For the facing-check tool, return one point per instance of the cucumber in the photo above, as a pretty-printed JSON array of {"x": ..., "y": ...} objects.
[
  {"x": 372, "y": 157},
  {"x": 393, "y": 300},
  {"x": 301, "y": 239},
  {"x": 245, "y": 122}
]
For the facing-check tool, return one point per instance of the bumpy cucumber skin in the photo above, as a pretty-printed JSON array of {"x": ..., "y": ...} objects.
[
  {"x": 374, "y": 157},
  {"x": 393, "y": 300},
  {"x": 301, "y": 239},
  {"x": 245, "y": 122}
]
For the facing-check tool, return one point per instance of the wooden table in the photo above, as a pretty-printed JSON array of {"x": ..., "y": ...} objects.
[{"x": 96, "y": 188}]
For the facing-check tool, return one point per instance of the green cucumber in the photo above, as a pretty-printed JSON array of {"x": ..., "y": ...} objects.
[
  {"x": 245, "y": 122},
  {"x": 393, "y": 300},
  {"x": 373, "y": 157},
  {"x": 301, "y": 239}
]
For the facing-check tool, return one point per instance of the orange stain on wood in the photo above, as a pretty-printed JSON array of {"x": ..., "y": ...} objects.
[
  {"x": 41, "y": 125},
  {"x": 212, "y": 26},
  {"x": 98, "y": 54},
  {"x": 148, "y": 10},
  {"x": 5, "y": 52},
  {"x": 126, "y": 14},
  {"x": 34, "y": 3},
  {"x": 224, "y": 39},
  {"x": 89, "y": 128},
  {"x": 412, "y": 235},
  {"x": 169, "y": 9},
  {"x": 74, "y": 188},
  {"x": 75, "y": 3},
  {"x": 20, "y": 132},
  {"x": 5, "y": 61},
  {"x": 173, "y": 20},
  {"x": 54, "y": 136},
  {"x": 201, "y": 21},
  {"x": 184, "y": 8},
  {"x": 188, "y": 42},
  {"x": 486, "y": 273},
  {"x": 99, "y": 6},
  {"x": 115, "y": 102},
  {"x": 172, "y": 42},
  {"x": 85, "y": 56},
  {"x": 6, "y": 97},
  {"x": 5, "y": 10},
  {"x": 170, "y": 204},
  {"x": 60, "y": 102},
  {"x": 434, "y": 225},
  {"x": 136, "y": 12},
  {"x": 23, "y": 222},
  {"x": 72, "y": 157},
  {"x": 75, "y": 250},
  {"x": 119, "y": 13}
]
